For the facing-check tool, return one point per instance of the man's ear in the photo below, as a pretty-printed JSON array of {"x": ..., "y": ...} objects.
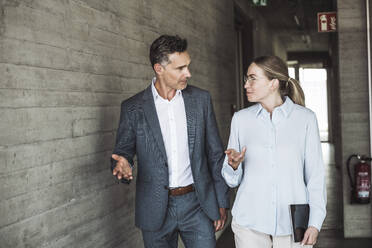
[{"x": 158, "y": 68}]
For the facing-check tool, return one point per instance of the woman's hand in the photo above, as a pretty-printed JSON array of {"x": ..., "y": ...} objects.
[
  {"x": 234, "y": 157},
  {"x": 311, "y": 236}
]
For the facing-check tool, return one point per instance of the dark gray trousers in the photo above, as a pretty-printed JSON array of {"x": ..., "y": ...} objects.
[{"x": 184, "y": 217}]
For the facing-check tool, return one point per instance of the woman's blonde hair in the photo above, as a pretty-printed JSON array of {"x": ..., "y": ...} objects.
[{"x": 275, "y": 68}]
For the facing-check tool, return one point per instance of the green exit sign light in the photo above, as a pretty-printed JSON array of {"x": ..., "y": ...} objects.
[{"x": 260, "y": 2}]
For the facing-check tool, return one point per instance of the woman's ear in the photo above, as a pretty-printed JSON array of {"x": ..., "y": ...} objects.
[{"x": 274, "y": 84}]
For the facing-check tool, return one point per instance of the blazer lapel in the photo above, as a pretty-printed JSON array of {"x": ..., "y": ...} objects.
[
  {"x": 152, "y": 119},
  {"x": 190, "y": 108}
]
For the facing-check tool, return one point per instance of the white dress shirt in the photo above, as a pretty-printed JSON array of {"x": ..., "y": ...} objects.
[
  {"x": 283, "y": 165},
  {"x": 173, "y": 125}
]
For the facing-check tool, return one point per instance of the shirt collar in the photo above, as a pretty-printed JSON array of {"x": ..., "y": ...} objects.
[
  {"x": 155, "y": 92},
  {"x": 259, "y": 109},
  {"x": 286, "y": 107}
]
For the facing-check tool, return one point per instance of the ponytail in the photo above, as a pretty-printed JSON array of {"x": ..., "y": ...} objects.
[{"x": 295, "y": 92}]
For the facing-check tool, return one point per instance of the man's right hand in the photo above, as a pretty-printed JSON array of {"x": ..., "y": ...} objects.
[{"x": 122, "y": 168}]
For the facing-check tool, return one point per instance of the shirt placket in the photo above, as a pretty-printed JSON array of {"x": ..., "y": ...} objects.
[
  {"x": 173, "y": 138},
  {"x": 273, "y": 165}
]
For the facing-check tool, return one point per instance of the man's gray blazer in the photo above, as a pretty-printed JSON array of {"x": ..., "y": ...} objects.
[{"x": 139, "y": 133}]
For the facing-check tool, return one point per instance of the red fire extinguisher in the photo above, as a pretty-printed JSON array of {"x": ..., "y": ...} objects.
[{"x": 361, "y": 186}]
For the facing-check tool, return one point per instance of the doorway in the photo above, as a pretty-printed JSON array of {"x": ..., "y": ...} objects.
[
  {"x": 314, "y": 84},
  {"x": 243, "y": 53}
]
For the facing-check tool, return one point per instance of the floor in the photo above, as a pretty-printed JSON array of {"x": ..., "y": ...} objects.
[{"x": 331, "y": 235}]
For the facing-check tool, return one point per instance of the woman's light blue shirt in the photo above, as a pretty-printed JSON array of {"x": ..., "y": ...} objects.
[{"x": 283, "y": 165}]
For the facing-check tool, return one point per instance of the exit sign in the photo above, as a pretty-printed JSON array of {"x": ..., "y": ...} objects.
[{"x": 260, "y": 2}]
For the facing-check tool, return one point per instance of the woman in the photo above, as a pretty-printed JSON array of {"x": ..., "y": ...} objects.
[{"x": 274, "y": 156}]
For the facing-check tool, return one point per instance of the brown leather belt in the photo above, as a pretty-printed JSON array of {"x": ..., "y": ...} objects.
[{"x": 181, "y": 190}]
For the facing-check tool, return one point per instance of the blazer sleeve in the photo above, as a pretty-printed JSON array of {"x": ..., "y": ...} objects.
[
  {"x": 125, "y": 138},
  {"x": 215, "y": 155}
]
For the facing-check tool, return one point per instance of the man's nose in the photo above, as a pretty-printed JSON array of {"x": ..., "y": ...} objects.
[{"x": 188, "y": 74}]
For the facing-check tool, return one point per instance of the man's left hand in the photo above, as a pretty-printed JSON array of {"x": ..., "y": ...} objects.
[{"x": 219, "y": 224}]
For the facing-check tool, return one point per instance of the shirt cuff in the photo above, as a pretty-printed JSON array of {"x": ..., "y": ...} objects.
[
  {"x": 233, "y": 172},
  {"x": 315, "y": 222},
  {"x": 314, "y": 225}
]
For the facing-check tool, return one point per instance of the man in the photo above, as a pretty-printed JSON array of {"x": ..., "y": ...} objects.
[{"x": 172, "y": 128}]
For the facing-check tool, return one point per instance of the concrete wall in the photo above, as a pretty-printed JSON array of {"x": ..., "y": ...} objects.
[
  {"x": 354, "y": 113},
  {"x": 65, "y": 67},
  {"x": 334, "y": 219}
]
